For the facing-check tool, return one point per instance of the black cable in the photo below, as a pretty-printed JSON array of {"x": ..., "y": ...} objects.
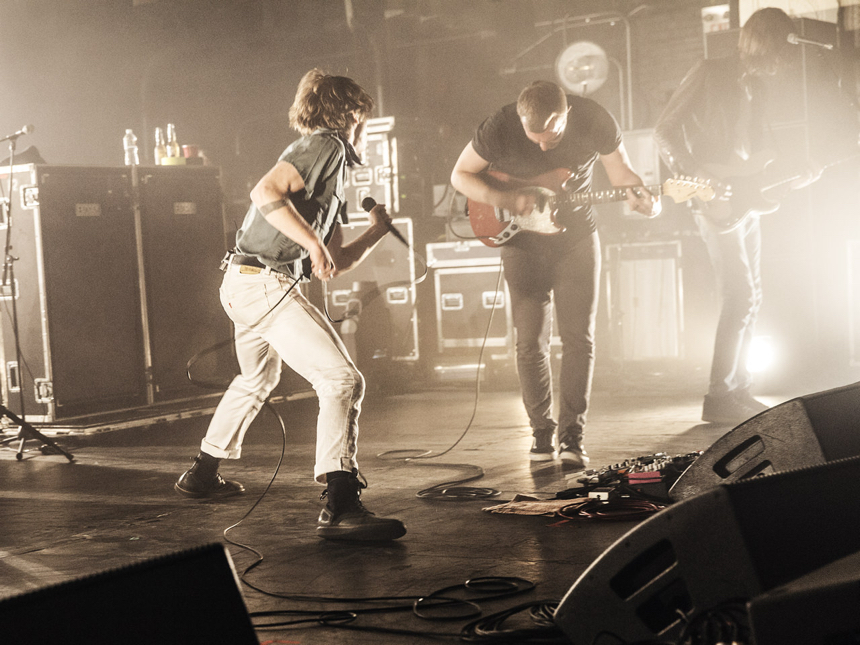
[
  {"x": 619, "y": 509},
  {"x": 219, "y": 385},
  {"x": 726, "y": 622},
  {"x": 451, "y": 490},
  {"x": 421, "y": 606},
  {"x": 487, "y": 588},
  {"x": 450, "y": 218},
  {"x": 259, "y": 555},
  {"x": 372, "y": 295},
  {"x": 448, "y": 490},
  {"x": 490, "y": 629}
]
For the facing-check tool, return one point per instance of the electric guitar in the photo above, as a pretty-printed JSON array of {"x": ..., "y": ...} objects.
[
  {"x": 756, "y": 189},
  {"x": 496, "y": 226}
]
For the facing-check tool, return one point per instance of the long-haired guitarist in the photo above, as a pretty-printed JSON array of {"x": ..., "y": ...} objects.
[
  {"x": 550, "y": 140},
  {"x": 723, "y": 123}
]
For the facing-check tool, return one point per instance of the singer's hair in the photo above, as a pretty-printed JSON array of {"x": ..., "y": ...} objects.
[
  {"x": 538, "y": 102},
  {"x": 763, "y": 40},
  {"x": 326, "y": 101}
]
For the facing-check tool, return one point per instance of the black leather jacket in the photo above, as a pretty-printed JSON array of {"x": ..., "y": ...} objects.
[
  {"x": 718, "y": 113},
  {"x": 700, "y": 124}
]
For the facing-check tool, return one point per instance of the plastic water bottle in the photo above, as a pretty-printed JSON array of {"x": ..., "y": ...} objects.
[{"x": 129, "y": 143}]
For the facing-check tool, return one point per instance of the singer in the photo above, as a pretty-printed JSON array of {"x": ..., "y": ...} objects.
[
  {"x": 291, "y": 233},
  {"x": 722, "y": 124}
]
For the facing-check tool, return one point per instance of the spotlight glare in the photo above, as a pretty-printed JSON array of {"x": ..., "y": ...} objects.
[{"x": 761, "y": 354}]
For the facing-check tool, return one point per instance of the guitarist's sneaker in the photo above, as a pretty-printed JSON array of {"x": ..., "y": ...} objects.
[
  {"x": 731, "y": 409},
  {"x": 573, "y": 454},
  {"x": 749, "y": 401},
  {"x": 542, "y": 449}
]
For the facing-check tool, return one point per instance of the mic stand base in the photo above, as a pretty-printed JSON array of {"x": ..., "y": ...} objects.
[{"x": 26, "y": 431}]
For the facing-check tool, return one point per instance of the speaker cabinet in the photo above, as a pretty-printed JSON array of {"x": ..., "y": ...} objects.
[
  {"x": 646, "y": 309},
  {"x": 76, "y": 294},
  {"x": 378, "y": 176},
  {"x": 470, "y": 286},
  {"x": 90, "y": 342},
  {"x": 735, "y": 542},
  {"x": 187, "y": 597},
  {"x": 819, "y": 608},
  {"x": 183, "y": 239},
  {"x": 805, "y": 431}
]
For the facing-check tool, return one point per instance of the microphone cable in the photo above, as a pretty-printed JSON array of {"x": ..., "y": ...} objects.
[
  {"x": 219, "y": 385},
  {"x": 374, "y": 293},
  {"x": 451, "y": 490}
]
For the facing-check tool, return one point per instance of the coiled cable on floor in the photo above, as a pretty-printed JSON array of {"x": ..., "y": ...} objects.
[
  {"x": 490, "y": 629},
  {"x": 619, "y": 509},
  {"x": 452, "y": 491},
  {"x": 449, "y": 490}
]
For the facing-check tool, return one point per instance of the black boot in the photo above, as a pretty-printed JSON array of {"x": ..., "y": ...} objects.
[
  {"x": 344, "y": 516},
  {"x": 203, "y": 480}
]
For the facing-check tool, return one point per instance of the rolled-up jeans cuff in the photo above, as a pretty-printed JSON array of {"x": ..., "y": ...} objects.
[
  {"x": 331, "y": 465},
  {"x": 209, "y": 449}
]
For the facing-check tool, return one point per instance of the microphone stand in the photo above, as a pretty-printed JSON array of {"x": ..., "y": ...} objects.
[{"x": 25, "y": 430}]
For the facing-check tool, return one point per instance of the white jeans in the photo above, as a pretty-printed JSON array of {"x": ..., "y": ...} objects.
[{"x": 270, "y": 328}]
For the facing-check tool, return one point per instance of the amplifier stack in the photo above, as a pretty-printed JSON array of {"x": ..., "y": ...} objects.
[{"x": 115, "y": 287}]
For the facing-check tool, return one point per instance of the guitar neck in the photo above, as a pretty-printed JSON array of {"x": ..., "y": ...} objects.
[{"x": 606, "y": 196}]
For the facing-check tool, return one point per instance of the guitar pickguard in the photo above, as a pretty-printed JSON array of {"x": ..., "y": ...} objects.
[{"x": 540, "y": 220}]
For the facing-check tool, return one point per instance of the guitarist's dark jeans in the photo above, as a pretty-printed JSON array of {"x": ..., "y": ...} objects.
[
  {"x": 736, "y": 258},
  {"x": 538, "y": 270}
]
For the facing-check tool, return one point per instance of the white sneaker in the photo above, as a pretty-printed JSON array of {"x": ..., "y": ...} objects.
[{"x": 573, "y": 455}]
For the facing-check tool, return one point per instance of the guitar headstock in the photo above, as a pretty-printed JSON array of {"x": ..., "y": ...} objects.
[{"x": 682, "y": 188}]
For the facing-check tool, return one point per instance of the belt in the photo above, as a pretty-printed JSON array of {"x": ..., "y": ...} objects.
[{"x": 248, "y": 264}]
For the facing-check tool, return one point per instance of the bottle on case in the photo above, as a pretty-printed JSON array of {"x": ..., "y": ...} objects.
[
  {"x": 173, "y": 149},
  {"x": 129, "y": 144},
  {"x": 160, "y": 147}
]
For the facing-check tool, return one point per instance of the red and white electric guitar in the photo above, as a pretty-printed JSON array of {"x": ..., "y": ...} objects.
[{"x": 496, "y": 226}]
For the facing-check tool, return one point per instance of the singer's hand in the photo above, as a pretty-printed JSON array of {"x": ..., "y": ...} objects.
[
  {"x": 322, "y": 264},
  {"x": 379, "y": 216}
]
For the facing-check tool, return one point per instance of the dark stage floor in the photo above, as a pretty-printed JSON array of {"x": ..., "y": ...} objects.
[{"x": 116, "y": 506}]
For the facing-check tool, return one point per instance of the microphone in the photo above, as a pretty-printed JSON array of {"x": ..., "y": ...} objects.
[
  {"x": 27, "y": 129},
  {"x": 794, "y": 39},
  {"x": 367, "y": 204}
]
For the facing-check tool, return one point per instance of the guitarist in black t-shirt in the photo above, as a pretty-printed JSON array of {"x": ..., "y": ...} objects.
[{"x": 552, "y": 140}]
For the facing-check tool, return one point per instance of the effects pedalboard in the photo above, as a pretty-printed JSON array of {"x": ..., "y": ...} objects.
[{"x": 649, "y": 476}]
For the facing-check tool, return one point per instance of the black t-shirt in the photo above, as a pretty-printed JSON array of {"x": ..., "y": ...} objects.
[{"x": 591, "y": 131}]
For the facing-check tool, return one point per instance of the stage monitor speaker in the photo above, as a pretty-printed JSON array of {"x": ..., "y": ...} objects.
[
  {"x": 732, "y": 543},
  {"x": 805, "y": 431},
  {"x": 820, "y": 608},
  {"x": 183, "y": 238},
  {"x": 190, "y": 597}
]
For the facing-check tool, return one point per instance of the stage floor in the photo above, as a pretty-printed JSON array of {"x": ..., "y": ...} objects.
[{"x": 115, "y": 505}]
